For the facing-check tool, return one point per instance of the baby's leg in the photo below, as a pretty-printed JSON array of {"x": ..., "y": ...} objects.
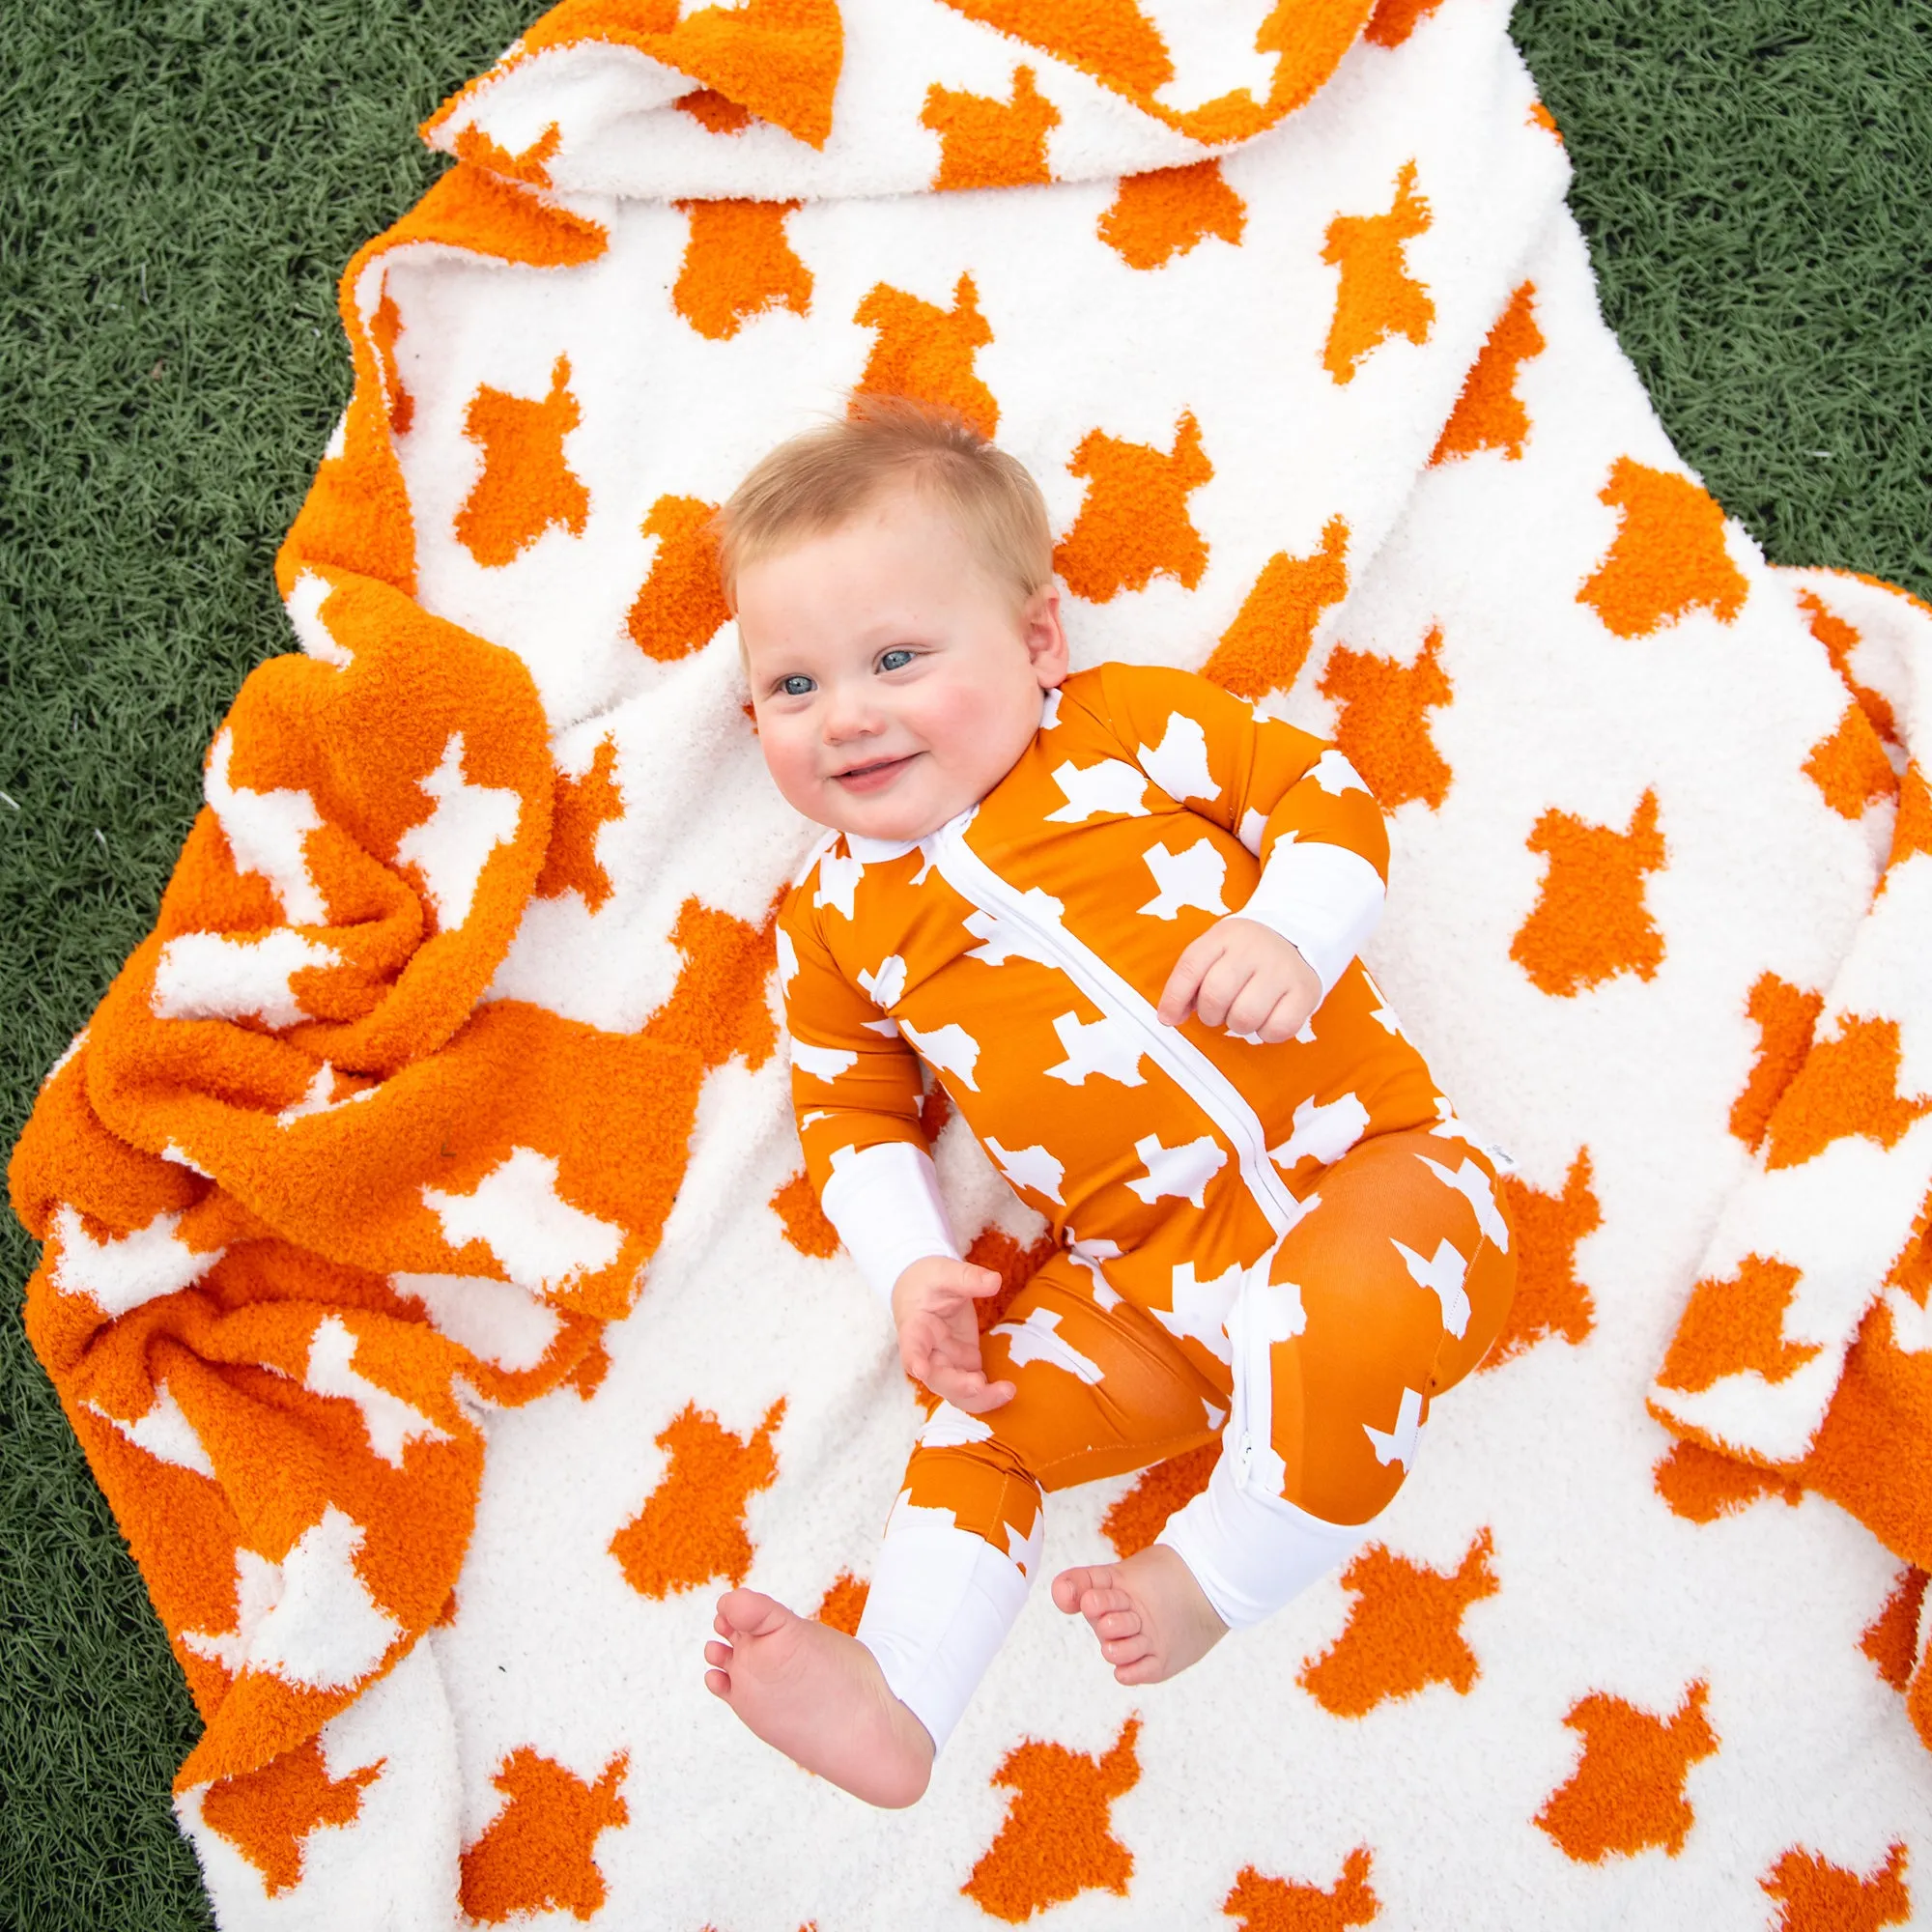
[
  {"x": 1390, "y": 1290},
  {"x": 1097, "y": 1393}
]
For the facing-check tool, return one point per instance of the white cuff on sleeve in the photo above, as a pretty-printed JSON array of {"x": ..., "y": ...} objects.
[
  {"x": 1324, "y": 900},
  {"x": 884, "y": 1201}
]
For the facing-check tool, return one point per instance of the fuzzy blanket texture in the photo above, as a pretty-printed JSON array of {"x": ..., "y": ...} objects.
[{"x": 428, "y": 1272}]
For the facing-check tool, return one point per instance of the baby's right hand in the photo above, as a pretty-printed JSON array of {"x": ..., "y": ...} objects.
[{"x": 939, "y": 1335}]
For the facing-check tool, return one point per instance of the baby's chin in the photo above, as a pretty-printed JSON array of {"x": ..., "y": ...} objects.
[
  {"x": 898, "y": 828},
  {"x": 901, "y": 821}
]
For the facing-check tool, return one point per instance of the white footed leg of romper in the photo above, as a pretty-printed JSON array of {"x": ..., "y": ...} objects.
[
  {"x": 940, "y": 1602},
  {"x": 1250, "y": 1549},
  {"x": 1251, "y": 1553}
]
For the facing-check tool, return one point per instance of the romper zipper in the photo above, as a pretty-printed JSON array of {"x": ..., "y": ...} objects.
[{"x": 1185, "y": 1064}]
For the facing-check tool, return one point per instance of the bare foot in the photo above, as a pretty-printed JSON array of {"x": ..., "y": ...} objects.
[
  {"x": 1151, "y": 1616},
  {"x": 819, "y": 1697}
]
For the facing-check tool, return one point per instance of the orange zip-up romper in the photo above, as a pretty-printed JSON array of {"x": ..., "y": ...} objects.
[{"x": 1292, "y": 1248}]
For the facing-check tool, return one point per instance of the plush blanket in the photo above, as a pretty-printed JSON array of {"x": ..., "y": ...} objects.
[{"x": 429, "y": 1273}]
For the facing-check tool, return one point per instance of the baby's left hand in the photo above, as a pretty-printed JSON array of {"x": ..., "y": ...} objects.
[{"x": 1242, "y": 975}]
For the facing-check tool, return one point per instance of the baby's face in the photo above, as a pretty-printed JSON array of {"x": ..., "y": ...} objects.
[{"x": 893, "y": 681}]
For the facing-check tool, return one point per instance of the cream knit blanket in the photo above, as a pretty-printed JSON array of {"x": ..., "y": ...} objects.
[{"x": 428, "y": 1271}]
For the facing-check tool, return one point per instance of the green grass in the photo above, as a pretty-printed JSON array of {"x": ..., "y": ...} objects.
[{"x": 184, "y": 179}]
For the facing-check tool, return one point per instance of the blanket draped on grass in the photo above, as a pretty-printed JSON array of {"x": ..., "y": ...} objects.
[{"x": 427, "y": 1272}]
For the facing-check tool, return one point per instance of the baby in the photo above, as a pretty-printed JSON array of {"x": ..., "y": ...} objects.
[{"x": 1114, "y": 915}]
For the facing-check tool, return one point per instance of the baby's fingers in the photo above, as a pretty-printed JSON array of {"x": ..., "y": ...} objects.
[
  {"x": 1229, "y": 997},
  {"x": 970, "y": 1390},
  {"x": 1290, "y": 1016},
  {"x": 1177, "y": 997}
]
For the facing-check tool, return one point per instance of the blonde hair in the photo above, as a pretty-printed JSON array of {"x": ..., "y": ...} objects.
[{"x": 815, "y": 482}]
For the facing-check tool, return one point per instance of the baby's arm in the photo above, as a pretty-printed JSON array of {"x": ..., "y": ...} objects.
[
  {"x": 1294, "y": 802},
  {"x": 856, "y": 1092}
]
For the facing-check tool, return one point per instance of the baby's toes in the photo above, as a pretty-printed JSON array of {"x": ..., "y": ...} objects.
[
  {"x": 1097, "y": 1605},
  {"x": 718, "y": 1654},
  {"x": 1127, "y": 1650},
  {"x": 1117, "y": 1623},
  {"x": 1071, "y": 1587}
]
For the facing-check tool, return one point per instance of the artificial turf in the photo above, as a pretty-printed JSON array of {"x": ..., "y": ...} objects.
[{"x": 183, "y": 181}]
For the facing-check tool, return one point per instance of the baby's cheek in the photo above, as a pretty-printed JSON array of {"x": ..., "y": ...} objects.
[{"x": 790, "y": 762}]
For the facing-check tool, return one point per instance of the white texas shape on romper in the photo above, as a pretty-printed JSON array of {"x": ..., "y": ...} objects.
[
  {"x": 1178, "y": 763},
  {"x": 1183, "y": 1171},
  {"x": 1191, "y": 877},
  {"x": 1104, "y": 1046},
  {"x": 1038, "y": 1339},
  {"x": 1111, "y": 787}
]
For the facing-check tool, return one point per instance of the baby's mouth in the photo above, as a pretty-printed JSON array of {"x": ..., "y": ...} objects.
[{"x": 872, "y": 777}]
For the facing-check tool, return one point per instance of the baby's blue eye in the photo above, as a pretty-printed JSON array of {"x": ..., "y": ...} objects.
[
  {"x": 896, "y": 658},
  {"x": 798, "y": 685}
]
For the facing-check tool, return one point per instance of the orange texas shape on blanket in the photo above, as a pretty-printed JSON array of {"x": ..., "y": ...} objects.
[
  {"x": 795, "y": 1203},
  {"x": 843, "y": 1604},
  {"x": 1785, "y": 1016},
  {"x": 385, "y": 330},
  {"x": 1394, "y": 21},
  {"x": 715, "y": 113},
  {"x": 1376, "y": 297},
  {"x": 581, "y": 807},
  {"x": 1132, "y": 523},
  {"x": 267, "y": 1814},
  {"x": 1057, "y": 1840},
  {"x": 1668, "y": 557},
  {"x": 1850, "y": 767},
  {"x": 1266, "y": 646},
  {"x": 1627, "y": 1791},
  {"x": 527, "y": 485},
  {"x": 985, "y": 143},
  {"x": 1404, "y": 1630},
  {"x": 1701, "y": 1485},
  {"x": 1264, "y": 1904},
  {"x": 1847, "y": 1085},
  {"x": 1488, "y": 415},
  {"x": 926, "y": 353},
  {"x": 1815, "y": 1895},
  {"x": 1590, "y": 922},
  {"x": 1384, "y": 725},
  {"x": 681, "y": 602},
  {"x": 539, "y": 1852},
  {"x": 1736, "y": 1326},
  {"x": 1891, "y": 1639},
  {"x": 1912, "y": 830},
  {"x": 1140, "y": 1516},
  {"x": 691, "y": 1527},
  {"x": 1167, "y": 211},
  {"x": 738, "y": 264}
]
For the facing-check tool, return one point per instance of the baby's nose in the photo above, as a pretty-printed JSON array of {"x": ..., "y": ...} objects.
[{"x": 851, "y": 717}]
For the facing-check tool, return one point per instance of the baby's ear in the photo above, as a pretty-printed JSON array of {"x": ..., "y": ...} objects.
[{"x": 1044, "y": 637}]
